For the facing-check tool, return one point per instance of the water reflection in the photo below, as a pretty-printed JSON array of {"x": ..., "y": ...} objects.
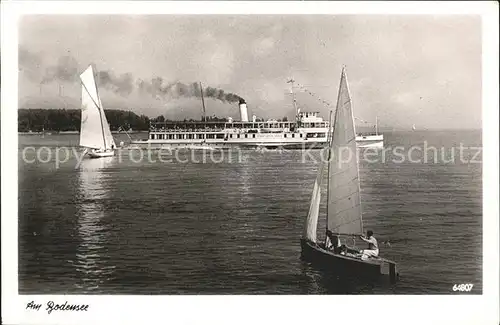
[
  {"x": 91, "y": 255},
  {"x": 245, "y": 174}
]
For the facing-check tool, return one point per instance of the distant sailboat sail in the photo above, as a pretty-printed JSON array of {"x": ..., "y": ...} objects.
[
  {"x": 94, "y": 131},
  {"x": 344, "y": 215},
  {"x": 311, "y": 227}
]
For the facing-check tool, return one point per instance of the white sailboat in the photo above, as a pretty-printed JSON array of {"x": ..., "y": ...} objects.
[
  {"x": 95, "y": 134},
  {"x": 371, "y": 140},
  {"x": 344, "y": 211}
]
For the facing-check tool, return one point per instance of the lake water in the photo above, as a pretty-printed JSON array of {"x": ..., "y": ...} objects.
[{"x": 118, "y": 226}]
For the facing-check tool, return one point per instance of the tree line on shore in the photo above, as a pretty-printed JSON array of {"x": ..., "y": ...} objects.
[{"x": 39, "y": 120}]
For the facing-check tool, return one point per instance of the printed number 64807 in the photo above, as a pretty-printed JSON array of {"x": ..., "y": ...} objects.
[{"x": 463, "y": 287}]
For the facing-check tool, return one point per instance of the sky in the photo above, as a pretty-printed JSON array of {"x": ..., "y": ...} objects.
[{"x": 403, "y": 69}]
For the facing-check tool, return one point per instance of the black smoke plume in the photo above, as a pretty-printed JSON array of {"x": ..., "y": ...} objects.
[
  {"x": 159, "y": 88},
  {"x": 68, "y": 69}
]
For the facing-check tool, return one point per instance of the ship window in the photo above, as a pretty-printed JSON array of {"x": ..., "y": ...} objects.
[
  {"x": 238, "y": 136},
  {"x": 253, "y": 135},
  {"x": 219, "y": 135},
  {"x": 312, "y": 125},
  {"x": 293, "y": 135},
  {"x": 284, "y": 135},
  {"x": 246, "y": 135},
  {"x": 230, "y": 135},
  {"x": 301, "y": 135}
]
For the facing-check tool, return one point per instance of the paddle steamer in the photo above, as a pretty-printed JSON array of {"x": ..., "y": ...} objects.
[{"x": 309, "y": 130}]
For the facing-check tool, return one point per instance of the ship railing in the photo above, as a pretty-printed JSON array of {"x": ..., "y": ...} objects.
[{"x": 185, "y": 130}]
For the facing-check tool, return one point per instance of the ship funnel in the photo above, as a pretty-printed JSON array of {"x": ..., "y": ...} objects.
[{"x": 243, "y": 110}]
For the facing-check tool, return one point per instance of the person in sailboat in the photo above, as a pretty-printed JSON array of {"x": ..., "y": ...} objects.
[
  {"x": 372, "y": 250},
  {"x": 332, "y": 242}
]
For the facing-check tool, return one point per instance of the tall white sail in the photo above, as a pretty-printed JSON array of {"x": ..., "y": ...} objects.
[
  {"x": 311, "y": 225},
  {"x": 110, "y": 142},
  {"x": 344, "y": 203},
  {"x": 94, "y": 131}
]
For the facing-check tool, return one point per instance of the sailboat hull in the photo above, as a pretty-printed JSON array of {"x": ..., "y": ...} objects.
[
  {"x": 371, "y": 145},
  {"x": 101, "y": 154},
  {"x": 372, "y": 268}
]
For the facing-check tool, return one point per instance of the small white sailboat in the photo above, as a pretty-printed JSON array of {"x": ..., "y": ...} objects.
[
  {"x": 413, "y": 127},
  {"x": 95, "y": 135},
  {"x": 371, "y": 140},
  {"x": 344, "y": 213}
]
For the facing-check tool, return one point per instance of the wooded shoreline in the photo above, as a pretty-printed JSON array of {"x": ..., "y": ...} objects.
[{"x": 67, "y": 121}]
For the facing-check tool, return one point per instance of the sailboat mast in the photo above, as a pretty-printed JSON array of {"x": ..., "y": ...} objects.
[
  {"x": 292, "y": 81},
  {"x": 330, "y": 139},
  {"x": 376, "y": 125},
  {"x": 202, "y": 103}
]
